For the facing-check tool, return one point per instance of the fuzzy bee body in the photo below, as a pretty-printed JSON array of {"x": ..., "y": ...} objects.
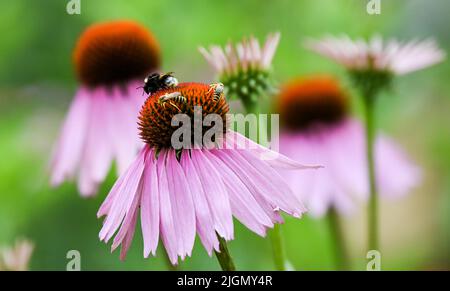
[
  {"x": 157, "y": 81},
  {"x": 218, "y": 88}
]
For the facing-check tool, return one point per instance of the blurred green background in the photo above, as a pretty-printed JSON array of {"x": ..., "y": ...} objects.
[{"x": 37, "y": 83}]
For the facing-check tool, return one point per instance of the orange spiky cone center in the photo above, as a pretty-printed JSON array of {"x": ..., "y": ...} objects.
[
  {"x": 316, "y": 100},
  {"x": 155, "y": 120},
  {"x": 115, "y": 52}
]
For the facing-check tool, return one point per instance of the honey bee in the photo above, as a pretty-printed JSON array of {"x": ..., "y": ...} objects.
[
  {"x": 218, "y": 90},
  {"x": 169, "y": 97}
]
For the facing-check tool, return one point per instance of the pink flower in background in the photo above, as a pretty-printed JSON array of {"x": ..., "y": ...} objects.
[
  {"x": 246, "y": 55},
  {"x": 244, "y": 68},
  {"x": 111, "y": 59},
  {"x": 16, "y": 258},
  {"x": 316, "y": 128},
  {"x": 391, "y": 56},
  {"x": 178, "y": 193}
]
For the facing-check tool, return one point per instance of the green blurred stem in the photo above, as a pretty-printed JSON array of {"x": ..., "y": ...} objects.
[
  {"x": 250, "y": 106},
  {"x": 276, "y": 239},
  {"x": 275, "y": 234},
  {"x": 373, "y": 242},
  {"x": 224, "y": 257},
  {"x": 340, "y": 252}
]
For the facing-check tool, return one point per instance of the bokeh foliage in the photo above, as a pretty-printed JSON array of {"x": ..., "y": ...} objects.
[{"x": 37, "y": 84}]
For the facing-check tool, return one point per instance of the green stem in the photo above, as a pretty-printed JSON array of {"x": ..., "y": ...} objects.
[
  {"x": 373, "y": 242},
  {"x": 224, "y": 258},
  {"x": 275, "y": 234},
  {"x": 277, "y": 248},
  {"x": 250, "y": 106},
  {"x": 340, "y": 252}
]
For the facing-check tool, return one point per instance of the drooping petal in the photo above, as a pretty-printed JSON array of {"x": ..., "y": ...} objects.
[
  {"x": 150, "y": 205},
  {"x": 204, "y": 217},
  {"x": 123, "y": 198},
  {"x": 392, "y": 55},
  {"x": 126, "y": 243},
  {"x": 266, "y": 179},
  {"x": 243, "y": 205},
  {"x": 70, "y": 144},
  {"x": 182, "y": 205},
  {"x": 97, "y": 153},
  {"x": 282, "y": 195},
  {"x": 216, "y": 194},
  {"x": 396, "y": 174},
  {"x": 168, "y": 233},
  {"x": 122, "y": 118},
  {"x": 272, "y": 158}
]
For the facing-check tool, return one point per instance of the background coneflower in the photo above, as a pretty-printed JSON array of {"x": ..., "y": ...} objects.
[
  {"x": 16, "y": 257},
  {"x": 183, "y": 192},
  {"x": 244, "y": 68},
  {"x": 111, "y": 59},
  {"x": 316, "y": 126},
  {"x": 372, "y": 66}
]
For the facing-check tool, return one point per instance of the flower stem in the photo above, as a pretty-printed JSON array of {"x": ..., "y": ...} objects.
[
  {"x": 224, "y": 258},
  {"x": 373, "y": 243},
  {"x": 250, "y": 106},
  {"x": 276, "y": 237},
  {"x": 277, "y": 248},
  {"x": 340, "y": 252}
]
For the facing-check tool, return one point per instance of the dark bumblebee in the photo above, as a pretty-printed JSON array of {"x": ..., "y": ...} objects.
[{"x": 157, "y": 81}]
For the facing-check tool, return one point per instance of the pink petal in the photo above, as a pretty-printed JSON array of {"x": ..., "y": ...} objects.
[
  {"x": 123, "y": 199},
  {"x": 204, "y": 217},
  {"x": 72, "y": 138},
  {"x": 182, "y": 204},
  {"x": 269, "y": 182},
  {"x": 255, "y": 189},
  {"x": 97, "y": 153},
  {"x": 169, "y": 235},
  {"x": 126, "y": 243},
  {"x": 243, "y": 205},
  {"x": 396, "y": 174},
  {"x": 216, "y": 194},
  {"x": 122, "y": 115},
  {"x": 274, "y": 159},
  {"x": 150, "y": 206}
]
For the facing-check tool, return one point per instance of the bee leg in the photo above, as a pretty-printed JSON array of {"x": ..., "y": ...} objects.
[
  {"x": 176, "y": 107},
  {"x": 174, "y": 96},
  {"x": 168, "y": 96}
]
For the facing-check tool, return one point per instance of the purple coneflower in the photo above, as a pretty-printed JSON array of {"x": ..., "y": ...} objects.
[
  {"x": 316, "y": 126},
  {"x": 391, "y": 56},
  {"x": 178, "y": 193},
  {"x": 372, "y": 66},
  {"x": 244, "y": 68},
  {"x": 17, "y": 257},
  {"x": 111, "y": 60}
]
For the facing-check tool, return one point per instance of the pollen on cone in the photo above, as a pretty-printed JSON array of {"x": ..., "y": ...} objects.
[
  {"x": 115, "y": 52},
  {"x": 155, "y": 118}
]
